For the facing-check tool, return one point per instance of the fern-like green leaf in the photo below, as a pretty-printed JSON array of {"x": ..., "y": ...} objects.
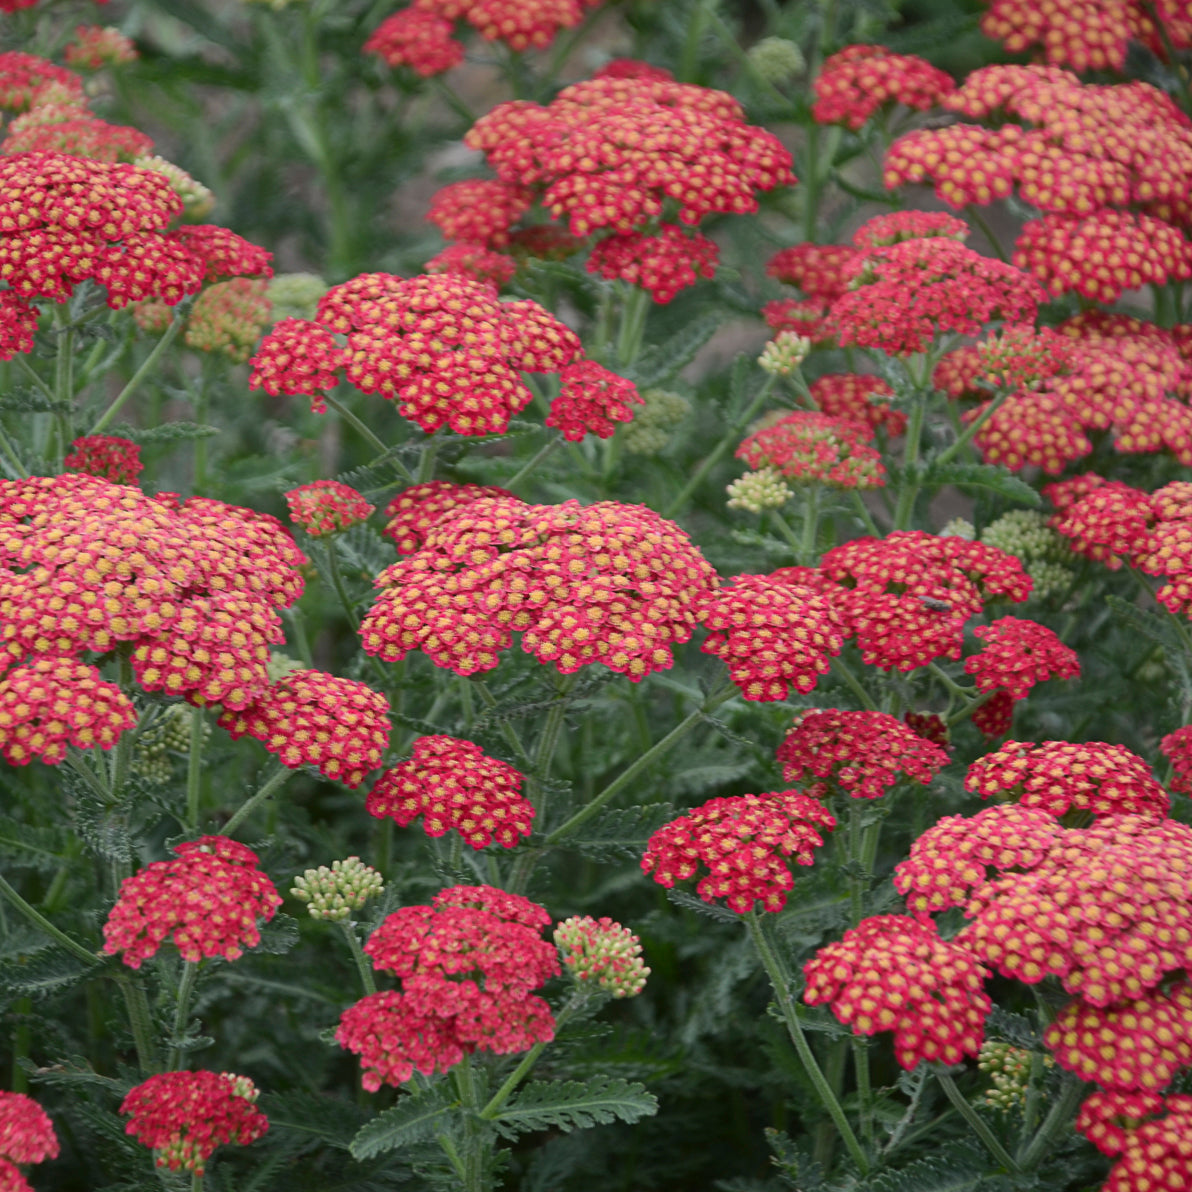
[
  {"x": 1155, "y": 626},
  {"x": 621, "y": 831},
  {"x": 413, "y": 1119},
  {"x": 659, "y": 363},
  {"x": 690, "y": 902},
  {"x": 37, "y": 848},
  {"x": 994, "y": 477},
  {"x": 575, "y": 1104},
  {"x": 168, "y": 432},
  {"x": 329, "y": 1118}
]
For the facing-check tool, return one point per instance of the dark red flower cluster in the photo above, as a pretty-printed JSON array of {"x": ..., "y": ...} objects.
[
  {"x": 1057, "y": 777},
  {"x": 771, "y": 635},
  {"x": 894, "y": 973},
  {"x": 746, "y": 843},
  {"x": 858, "y": 80},
  {"x": 444, "y": 347},
  {"x": 184, "y": 1116},
  {"x": 819, "y": 270},
  {"x": 327, "y": 507},
  {"x": 611, "y": 152},
  {"x": 207, "y": 901},
  {"x": 309, "y": 718},
  {"x": 858, "y": 396},
  {"x": 479, "y": 210},
  {"x": 1177, "y": 748},
  {"x": 606, "y": 583},
  {"x": 662, "y": 262},
  {"x": 18, "y": 324},
  {"x": 105, "y": 456},
  {"x": 1016, "y": 654},
  {"x": 416, "y": 509},
  {"x": 468, "y": 964},
  {"x": 454, "y": 784},
  {"x": 419, "y": 38},
  {"x": 810, "y": 447},
  {"x": 591, "y": 400},
  {"x": 862, "y": 754},
  {"x": 1156, "y": 1156},
  {"x": 26, "y": 1136}
]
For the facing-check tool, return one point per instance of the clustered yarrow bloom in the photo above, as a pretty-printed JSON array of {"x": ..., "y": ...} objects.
[
  {"x": 308, "y": 717},
  {"x": 809, "y": 447},
  {"x": 26, "y": 1136},
  {"x": 97, "y": 46},
  {"x": 1016, "y": 654},
  {"x": 591, "y": 400},
  {"x": 417, "y": 38},
  {"x": 884, "y": 230},
  {"x": 1058, "y": 777},
  {"x": 662, "y": 263},
  {"x": 1107, "y": 1116},
  {"x": 69, "y": 128},
  {"x": 856, "y": 81},
  {"x": 454, "y": 784},
  {"x": 819, "y": 270},
  {"x": 608, "y": 583},
  {"x": 479, "y": 210},
  {"x": 229, "y": 317},
  {"x": 1177, "y": 748},
  {"x": 107, "y": 456},
  {"x": 602, "y": 954},
  {"x": 18, "y": 325},
  {"x": 862, "y": 754},
  {"x": 327, "y": 507},
  {"x": 746, "y": 843},
  {"x": 184, "y": 1116},
  {"x": 197, "y": 199},
  {"x": 474, "y": 262},
  {"x": 771, "y": 635},
  {"x": 26, "y": 80},
  {"x": 783, "y": 354},
  {"x": 894, "y": 973},
  {"x": 468, "y": 964},
  {"x": 207, "y": 902},
  {"x": 337, "y": 893},
  {"x": 416, "y": 509},
  {"x": 859, "y": 397},
  {"x": 1156, "y": 1155}
]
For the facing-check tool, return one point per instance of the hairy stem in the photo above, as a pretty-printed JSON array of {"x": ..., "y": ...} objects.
[
  {"x": 362, "y": 965},
  {"x": 147, "y": 366},
  {"x": 272, "y": 784},
  {"x": 983, "y": 1132}
]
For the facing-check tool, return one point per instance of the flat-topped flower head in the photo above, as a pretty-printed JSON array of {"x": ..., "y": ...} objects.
[
  {"x": 1058, "y": 777},
  {"x": 601, "y": 954},
  {"x": 884, "y": 230},
  {"x": 809, "y": 447},
  {"x": 608, "y": 583},
  {"x": 18, "y": 325},
  {"x": 771, "y": 635},
  {"x": 417, "y": 38},
  {"x": 207, "y": 902},
  {"x": 310, "y": 718},
  {"x": 746, "y": 843},
  {"x": 1177, "y": 748},
  {"x": 859, "y": 397},
  {"x": 25, "y": 79},
  {"x": 416, "y": 509},
  {"x": 591, "y": 400},
  {"x": 479, "y": 210},
  {"x": 474, "y": 262},
  {"x": 662, "y": 263},
  {"x": 894, "y": 973},
  {"x": 1016, "y": 654},
  {"x": 26, "y": 1132},
  {"x": 107, "y": 456},
  {"x": 454, "y": 785},
  {"x": 72, "y": 129},
  {"x": 1107, "y": 1116},
  {"x": 1156, "y": 1156},
  {"x": 327, "y": 507},
  {"x": 862, "y": 754},
  {"x": 229, "y": 317},
  {"x": 856, "y": 81},
  {"x": 819, "y": 270},
  {"x": 298, "y": 356},
  {"x": 184, "y": 1116}
]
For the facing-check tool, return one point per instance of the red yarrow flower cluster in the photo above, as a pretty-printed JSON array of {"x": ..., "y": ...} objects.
[
  {"x": 856, "y": 81},
  {"x": 819, "y": 270},
  {"x": 71, "y": 129},
  {"x": 207, "y": 902},
  {"x": 474, "y": 262},
  {"x": 1107, "y": 1116},
  {"x": 97, "y": 46},
  {"x": 591, "y": 400},
  {"x": 661, "y": 263},
  {"x": 454, "y": 784},
  {"x": 862, "y": 754},
  {"x": 327, "y": 507},
  {"x": 416, "y": 509},
  {"x": 339, "y": 726},
  {"x": 894, "y": 973},
  {"x": 771, "y": 635},
  {"x": 608, "y": 583},
  {"x": 746, "y": 843},
  {"x": 26, "y": 1136},
  {"x": 1016, "y": 654},
  {"x": 184, "y": 1116},
  {"x": 298, "y": 356},
  {"x": 1156, "y": 1156},
  {"x": 468, "y": 964},
  {"x": 1177, "y": 748},
  {"x": 106, "y": 456},
  {"x": 809, "y": 447},
  {"x": 26, "y": 80},
  {"x": 479, "y": 210},
  {"x": 897, "y": 226},
  {"x": 18, "y": 325},
  {"x": 417, "y": 38},
  {"x": 858, "y": 396}
]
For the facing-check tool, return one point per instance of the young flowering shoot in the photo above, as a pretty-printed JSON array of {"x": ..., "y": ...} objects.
[
  {"x": 862, "y": 754},
  {"x": 337, "y": 893},
  {"x": 777, "y": 60},
  {"x": 105, "y": 456},
  {"x": 1009, "y": 1068},
  {"x": 771, "y": 635},
  {"x": 310, "y": 718},
  {"x": 855, "y": 82},
  {"x": 26, "y": 1136},
  {"x": 894, "y": 973},
  {"x": 1028, "y": 535},
  {"x": 784, "y": 353},
  {"x": 651, "y": 428},
  {"x": 97, "y": 46},
  {"x": 454, "y": 785},
  {"x": 207, "y": 901},
  {"x": 661, "y": 263},
  {"x": 1108, "y": 1116},
  {"x": 601, "y": 954},
  {"x": 415, "y": 509},
  {"x": 928, "y": 725},
  {"x": 197, "y": 199},
  {"x": 327, "y": 507},
  {"x": 1157, "y": 1156},
  {"x": 808, "y": 447},
  {"x": 184, "y": 1116},
  {"x": 591, "y": 400},
  {"x": 1139, "y": 1044},
  {"x": 71, "y": 129},
  {"x": 1058, "y": 777},
  {"x": 229, "y": 317},
  {"x": 758, "y": 491},
  {"x": 295, "y": 295},
  {"x": 746, "y": 843},
  {"x": 959, "y": 527},
  {"x": 1016, "y": 654},
  {"x": 468, "y": 965},
  {"x": 169, "y": 733}
]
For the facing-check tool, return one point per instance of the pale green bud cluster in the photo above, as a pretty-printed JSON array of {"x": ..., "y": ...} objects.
[
  {"x": 650, "y": 430},
  {"x": 784, "y": 353},
  {"x": 336, "y": 892},
  {"x": 1025, "y": 534},
  {"x": 959, "y": 527},
  {"x": 242, "y": 1087},
  {"x": 295, "y": 295},
  {"x": 777, "y": 60},
  {"x": 758, "y": 491},
  {"x": 280, "y": 665},
  {"x": 603, "y": 954},
  {"x": 170, "y": 733},
  {"x": 276, "y": 5},
  {"x": 1009, "y": 1068},
  {"x": 197, "y": 200}
]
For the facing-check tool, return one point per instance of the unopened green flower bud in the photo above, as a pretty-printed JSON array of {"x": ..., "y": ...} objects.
[
  {"x": 280, "y": 665},
  {"x": 1026, "y": 534},
  {"x": 295, "y": 295},
  {"x": 758, "y": 491},
  {"x": 1050, "y": 579},
  {"x": 650, "y": 430},
  {"x": 197, "y": 200},
  {"x": 777, "y": 60},
  {"x": 784, "y": 353},
  {"x": 1009, "y": 1068},
  {"x": 601, "y": 953},
  {"x": 336, "y": 892},
  {"x": 958, "y": 527},
  {"x": 169, "y": 733}
]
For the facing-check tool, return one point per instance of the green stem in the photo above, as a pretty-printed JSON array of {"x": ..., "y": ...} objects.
[
  {"x": 271, "y": 784},
  {"x": 38, "y": 383},
  {"x": 507, "y": 730},
  {"x": 864, "y": 514},
  {"x": 9, "y": 453},
  {"x": 633, "y": 325},
  {"x": 141, "y": 1022},
  {"x": 968, "y": 694},
  {"x": 983, "y": 224},
  {"x": 335, "y": 575},
  {"x": 645, "y": 760},
  {"x": 717, "y": 452},
  {"x": 910, "y": 487},
  {"x": 426, "y": 461},
  {"x": 544, "y": 751},
  {"x": 365, "y": 431},
  {"x": 689, "y": 55},
  {"x": 786, "y": 1003},
  {"x": 43, "y": 924},
  {"x": 147, "y": 366},
  {"x": 1056, "y": 1120},
  {"x": 854, "y": 684},
  {"x": 362, "y": 965},
  {"x": 810, "y": 526},
  {"x": 546, "y": 449},
  {"x": 966, "y": 436},
  {"x": 190, "y": 974},
  {"x": 982, "y": 1131},
  {"x": 473, "y": 1180},
  {"x": 194, "y": 769}
]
